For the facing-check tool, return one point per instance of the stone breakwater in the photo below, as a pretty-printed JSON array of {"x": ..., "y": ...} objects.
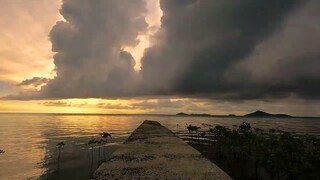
[{"x": 154, "y": 152}]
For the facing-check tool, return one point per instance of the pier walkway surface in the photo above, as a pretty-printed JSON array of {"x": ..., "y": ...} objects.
[{"x": 154, "y": 152}]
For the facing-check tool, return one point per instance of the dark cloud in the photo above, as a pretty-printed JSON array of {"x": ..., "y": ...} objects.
[
  {"x": 201, "y": 40},
  {"x": 36, "y": 81},
  {"x": 90, "y": 61},
  {"x": 288, "y": 61},
  {"x": 212, "y": 49}
]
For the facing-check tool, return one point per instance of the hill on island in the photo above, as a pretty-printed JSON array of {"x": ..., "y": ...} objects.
[
  {"x": 257, "y": 114},
  {"x": 264, "y": 114},
  {"x": 182, "y": 114},
  {"x": 197, "y": 115}
]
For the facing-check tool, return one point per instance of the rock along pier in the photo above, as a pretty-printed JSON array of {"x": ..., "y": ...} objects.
[{"x": 154, "y": 152}]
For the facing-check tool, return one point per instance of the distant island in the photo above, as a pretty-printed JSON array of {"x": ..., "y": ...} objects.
[
  {"x": 264, "y": 114},
  {"x": 257, "y": 114},
  {"x": 198, "y": 115},
  {"x": 204, "y": 115}
]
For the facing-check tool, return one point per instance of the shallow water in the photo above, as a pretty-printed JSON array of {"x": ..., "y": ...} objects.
[{"x": 30, "y": 139}]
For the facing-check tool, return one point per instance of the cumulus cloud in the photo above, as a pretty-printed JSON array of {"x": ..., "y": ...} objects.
[
  {"x": 89, "y": 58},
  {"x": 234, "y": 50}
]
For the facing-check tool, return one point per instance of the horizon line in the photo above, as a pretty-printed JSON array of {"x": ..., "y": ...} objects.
[{"x": 145, "y": 114}]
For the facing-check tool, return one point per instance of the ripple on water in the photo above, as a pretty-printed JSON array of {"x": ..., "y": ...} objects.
[{"x": 32, "y": 139}]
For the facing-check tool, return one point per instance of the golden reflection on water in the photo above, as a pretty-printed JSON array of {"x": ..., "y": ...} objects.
[
  {"x": 29, "y": 139},
  {"x": 21, "y": 141}
]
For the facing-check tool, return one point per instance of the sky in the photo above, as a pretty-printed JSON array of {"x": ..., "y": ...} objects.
[{"x": 160, "y": 56}]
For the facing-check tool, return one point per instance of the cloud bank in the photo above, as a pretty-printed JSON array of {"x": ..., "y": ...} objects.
[
  {"x": 89, "y": 58},
  {"x": 233, "y": 50}
]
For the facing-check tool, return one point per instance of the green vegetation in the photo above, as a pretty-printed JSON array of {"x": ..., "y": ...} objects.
[{"x": 273, "y": 155}]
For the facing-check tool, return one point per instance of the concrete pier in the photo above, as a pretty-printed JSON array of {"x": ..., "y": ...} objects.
[{"x": 154, "y": 152}]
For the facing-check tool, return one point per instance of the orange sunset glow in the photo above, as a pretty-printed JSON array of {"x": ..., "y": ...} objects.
[
  {"x": 25, "y": 52},
  {"x": 44, "y": 71},
  {"x": 159, "y": 89}
]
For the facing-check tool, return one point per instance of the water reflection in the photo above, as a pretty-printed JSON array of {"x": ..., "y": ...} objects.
[
  {"x": 76, "y": 155},
  {"x": 30, "y": 140}
]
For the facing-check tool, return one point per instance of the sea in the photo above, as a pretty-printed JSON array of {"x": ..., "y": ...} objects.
[{"x": 29, "y": 140}]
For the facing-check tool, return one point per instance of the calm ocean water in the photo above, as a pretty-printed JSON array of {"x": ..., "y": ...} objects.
[{"x": 29, "y": 140}]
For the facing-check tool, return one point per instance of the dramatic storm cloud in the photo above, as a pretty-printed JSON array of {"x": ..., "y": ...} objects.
[
  {"x": 288, "y": 60},
  {"x": 90, "y": 61},
  {"x": 202, "y": 43},
  {"x": 213, "y": 49}
]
